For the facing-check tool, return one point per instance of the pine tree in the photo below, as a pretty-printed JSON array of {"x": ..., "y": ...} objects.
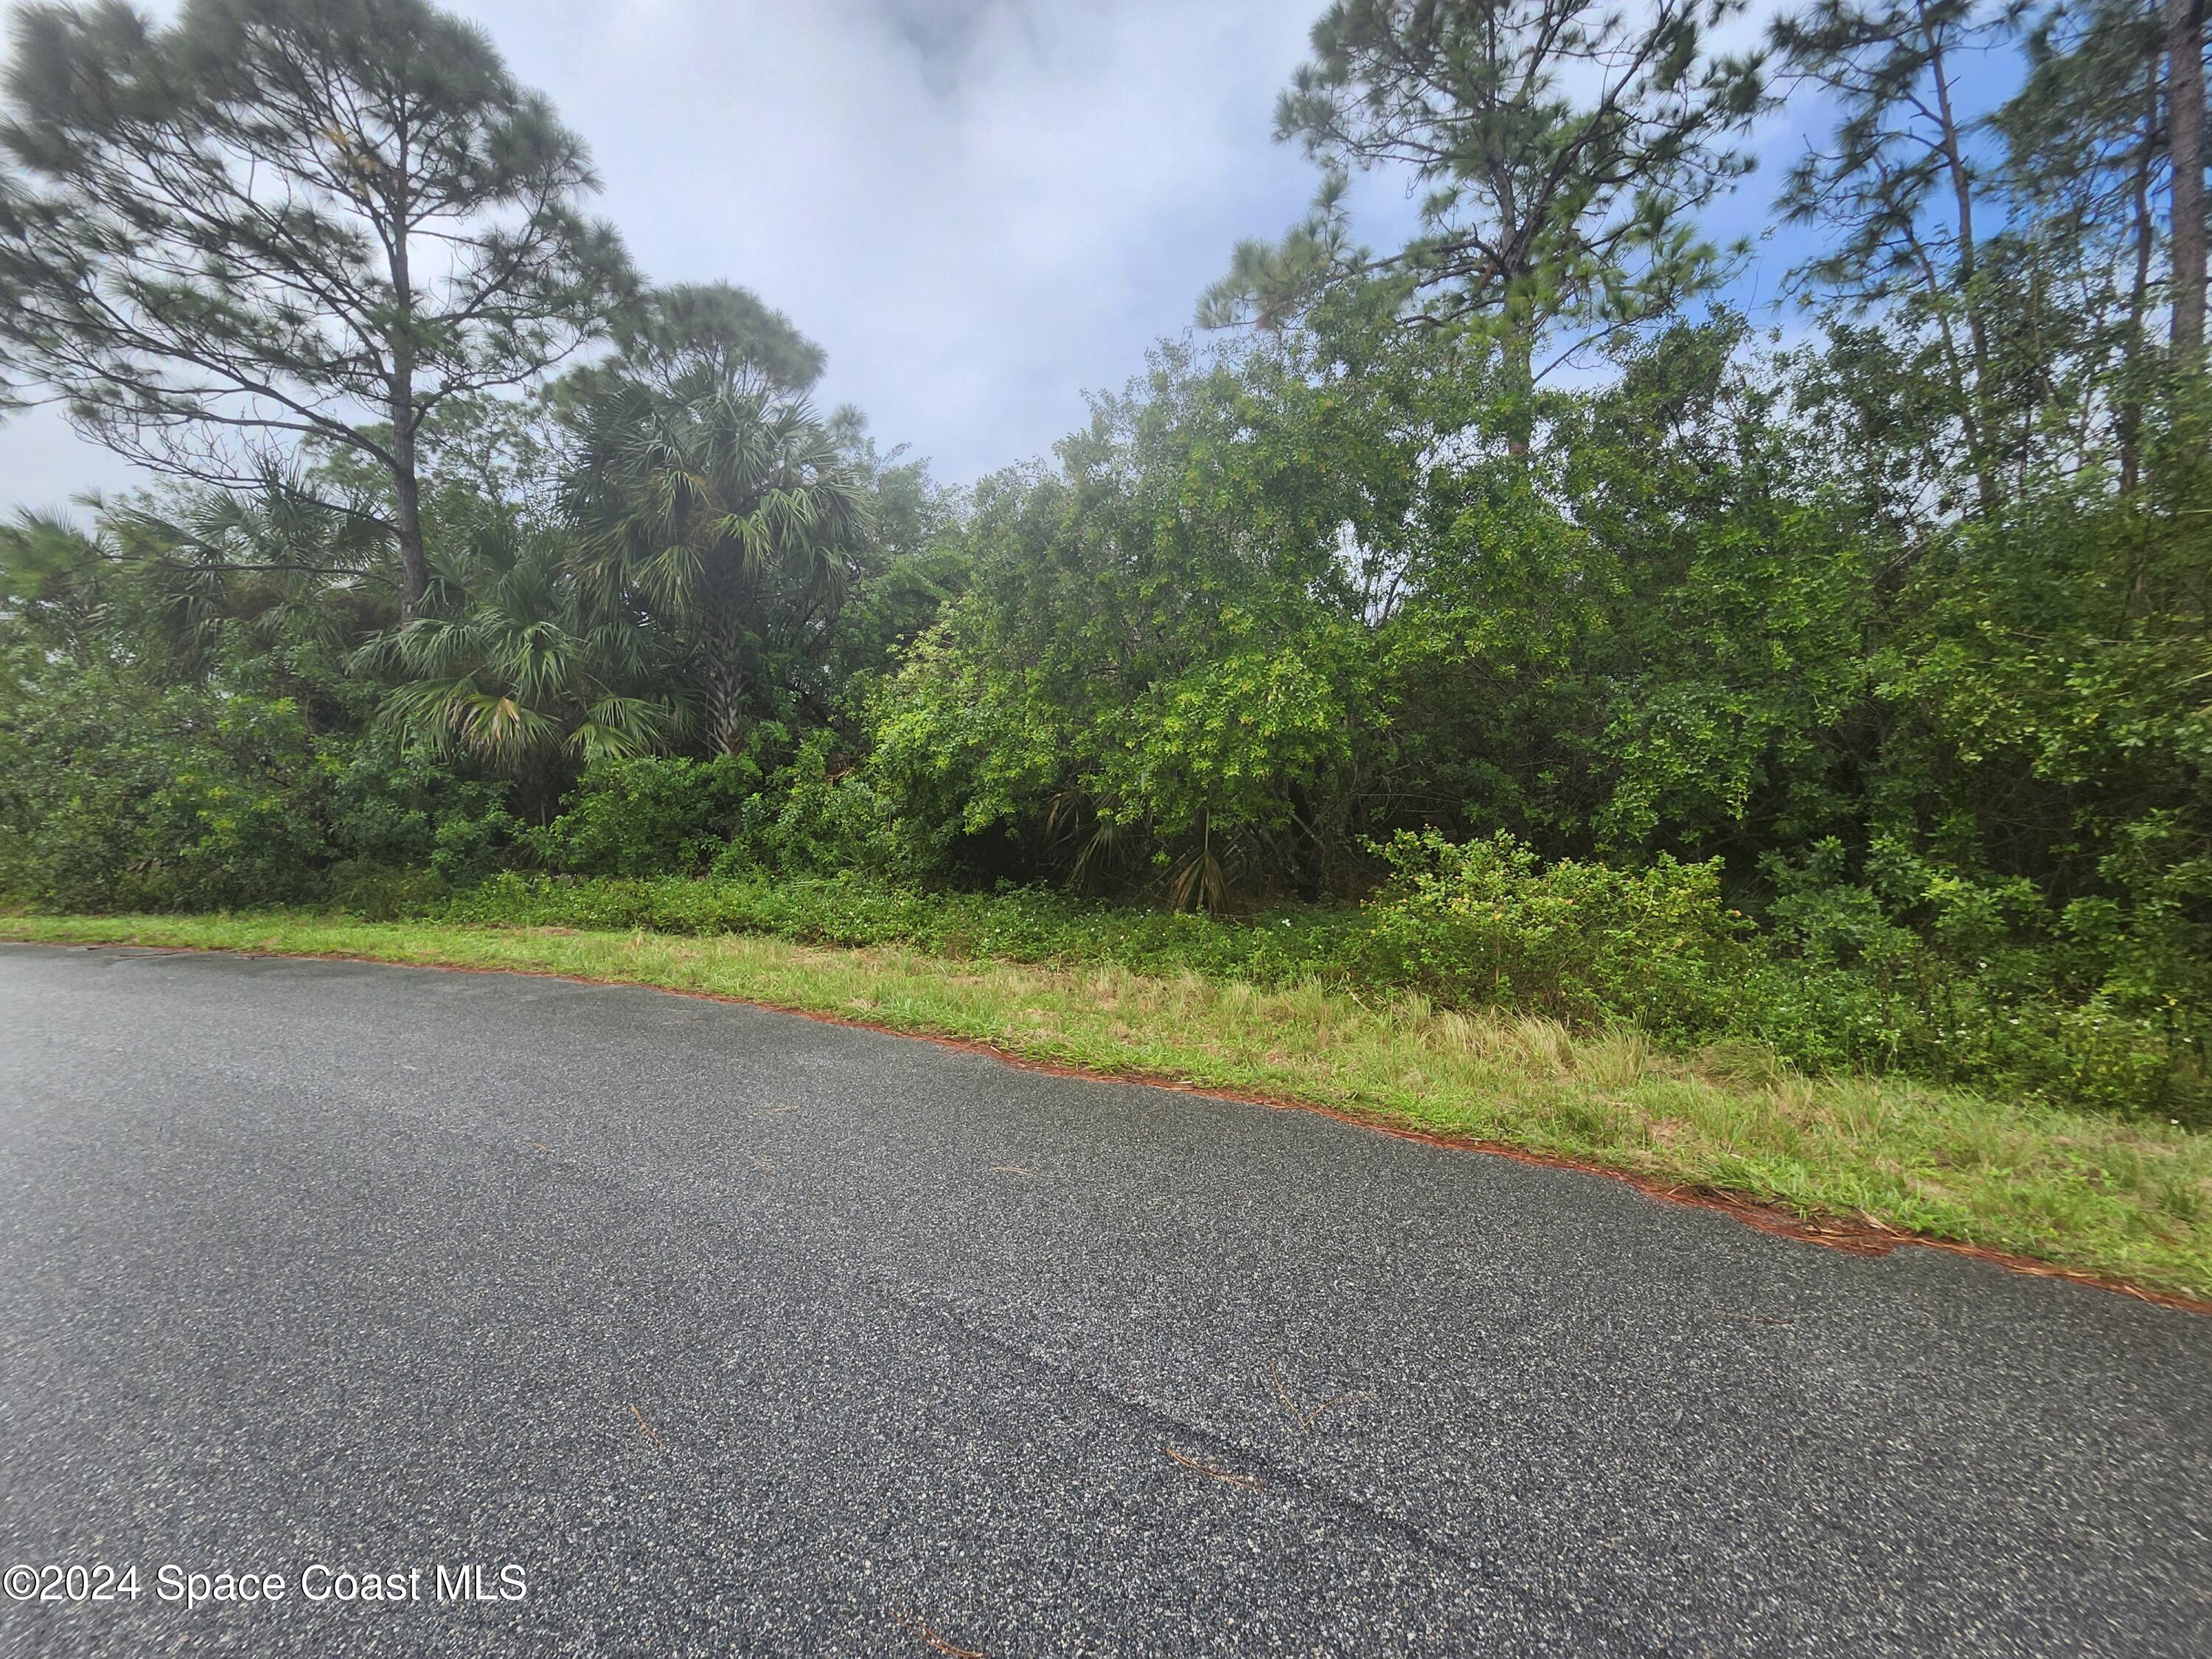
[
  {"x": 1563, "y": 146},
  {"x": 284, "y": 220}
]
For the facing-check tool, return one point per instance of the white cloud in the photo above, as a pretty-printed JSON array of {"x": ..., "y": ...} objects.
[{"x": 979, "y": 207}]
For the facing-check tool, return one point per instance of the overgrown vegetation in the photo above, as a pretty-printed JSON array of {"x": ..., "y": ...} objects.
[{"x": 1501, "y": 619}]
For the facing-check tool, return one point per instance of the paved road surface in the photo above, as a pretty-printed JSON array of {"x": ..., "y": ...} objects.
[{"x": 324, "y": 1268}]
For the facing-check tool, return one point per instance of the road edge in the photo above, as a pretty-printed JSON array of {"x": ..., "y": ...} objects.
[{"x": 1858, "y": 1235}]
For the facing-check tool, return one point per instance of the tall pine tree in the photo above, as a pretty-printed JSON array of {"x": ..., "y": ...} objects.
[{"x": 279, "y": 220}]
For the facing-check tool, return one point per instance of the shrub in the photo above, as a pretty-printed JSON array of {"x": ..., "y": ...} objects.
[
  {"x": 121, "y": 798},
  {"x": 647, "y": 817},
  {"x": 1928, "y": 969},
  {"x": 392, "y": 807},
  {"x": 117, "y": 795},
  {"x": 732, "y": 815},
  {"x": 1478, "y": 923},
  {"x": 812, "y": 819}
]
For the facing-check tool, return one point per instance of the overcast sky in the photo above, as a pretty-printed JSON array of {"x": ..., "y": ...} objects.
[{"x": 982, "y": 209}]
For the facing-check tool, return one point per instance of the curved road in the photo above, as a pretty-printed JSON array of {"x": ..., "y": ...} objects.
[{"x": 717, "y": 1330}]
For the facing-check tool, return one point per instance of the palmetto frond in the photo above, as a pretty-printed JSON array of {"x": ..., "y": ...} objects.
[
  {"x": 617, "y": 728},
  {"x": 500, "y": 730},
  {"x": 717, "y": 513},
  {"x": 525, "y": 674},
  {"x": 487, "y": 725}
]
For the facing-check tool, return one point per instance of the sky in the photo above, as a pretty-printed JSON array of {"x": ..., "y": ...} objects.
[{"x": 980, "y": 209}]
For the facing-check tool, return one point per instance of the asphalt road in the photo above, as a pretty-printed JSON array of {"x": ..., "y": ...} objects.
[{"x": 728, "y": 1331}]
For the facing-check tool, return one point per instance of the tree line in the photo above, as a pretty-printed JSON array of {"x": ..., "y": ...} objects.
[{"x": 474, "y": 551}]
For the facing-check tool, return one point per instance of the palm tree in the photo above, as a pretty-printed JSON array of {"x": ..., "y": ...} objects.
[
  {"x": 266, "y": 567},
  {"x": 523, "y": 677},
  {"x": 721, "y": 511},
  {"x": 187, "y": 576}
]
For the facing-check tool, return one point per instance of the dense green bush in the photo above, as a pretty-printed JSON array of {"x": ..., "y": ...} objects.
[
  {"x": 1160, "y": 665},
  {"x": 649, "y": 816},
  {"x": 118, "y": 796},
  {"x": 811, "y": 819},
  {"x": 670, "y": 816},
  {"x": 1478, "y": 923},
  {"x": 1922, "y": 967},
  {"x": 196, "y": 803}
]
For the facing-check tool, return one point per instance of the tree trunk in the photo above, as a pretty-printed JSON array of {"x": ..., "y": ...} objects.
[
  {"x": 406, "y": 488},
  {"x": 726, "y": 707},
  {"x": 406, "y": 485},
  {"x": 726, "y": 680},
  {"x": 2134, "y": 347},
  {"x": 2185, "y": 119},
  {"x": 1980, "y": 439}
]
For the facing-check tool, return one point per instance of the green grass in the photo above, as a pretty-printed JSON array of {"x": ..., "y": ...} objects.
[{"x": 2127, "y": 1200}]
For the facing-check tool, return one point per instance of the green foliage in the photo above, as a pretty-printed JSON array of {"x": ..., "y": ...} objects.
[
  {"x": 732, "y": 814},
  {"x": 1159, "y": 668},
  {"x": 118, "y": 796},
  {"x": 1478, "y": 924},
  {"x": 647, "y": 817},
  {"x": 190, "y": 805},
  {"x": 1921, "y": 968},
  {"x": 812, "y": 816},
  {"x": 521, "y": 673}
]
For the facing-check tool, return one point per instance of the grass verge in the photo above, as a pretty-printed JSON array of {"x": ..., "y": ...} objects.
[{"x": 2128, "y": 1200}]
